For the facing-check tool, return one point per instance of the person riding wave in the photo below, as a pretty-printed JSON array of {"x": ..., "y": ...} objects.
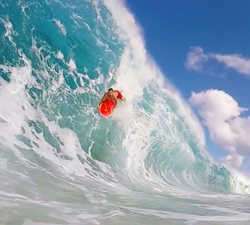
[{"x": 109, "y": 99}]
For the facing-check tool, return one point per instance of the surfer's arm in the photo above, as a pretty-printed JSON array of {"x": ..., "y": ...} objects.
[
  {"x": 103, "y": 98},
  {"x": 119, "y": 96},
  {"x": 115, "y": 101},
  {"x": 123, "y": 99}
]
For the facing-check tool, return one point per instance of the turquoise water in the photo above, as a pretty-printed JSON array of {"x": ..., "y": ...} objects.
[{"x": 62, "y": 163}]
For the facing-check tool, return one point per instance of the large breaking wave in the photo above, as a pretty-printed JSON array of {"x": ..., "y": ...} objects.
[{"x": 61, "y": 162}]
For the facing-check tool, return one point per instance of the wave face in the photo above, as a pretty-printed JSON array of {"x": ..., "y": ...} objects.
[{"x": 62, "y": 163}]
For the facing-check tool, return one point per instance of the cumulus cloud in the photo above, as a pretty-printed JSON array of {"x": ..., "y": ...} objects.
[
  {"x": 221, "y": 114},
  {"x": 196, "y": 59}
]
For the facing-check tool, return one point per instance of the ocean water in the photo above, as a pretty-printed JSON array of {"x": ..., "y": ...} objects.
[{"x": 63, "y": 163}]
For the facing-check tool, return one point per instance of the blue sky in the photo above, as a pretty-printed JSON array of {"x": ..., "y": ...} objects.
[{"x": 217, "y": 34}]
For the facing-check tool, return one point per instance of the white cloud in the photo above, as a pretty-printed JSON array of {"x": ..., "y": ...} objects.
[
  {"x": 197, "y": 58},
  {"x": 221, "y": 114},
  {"x": 234, "y": 161},
  {"x": 236, "y": 62}
]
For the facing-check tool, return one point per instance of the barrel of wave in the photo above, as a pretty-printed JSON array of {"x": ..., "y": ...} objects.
[{"x": 109, "y": 101}]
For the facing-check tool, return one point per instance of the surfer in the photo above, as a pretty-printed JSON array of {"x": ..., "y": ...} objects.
[{"x": 109, "y": 100}]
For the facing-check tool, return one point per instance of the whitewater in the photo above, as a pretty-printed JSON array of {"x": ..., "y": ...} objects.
[{"x": 63, "y": 163}]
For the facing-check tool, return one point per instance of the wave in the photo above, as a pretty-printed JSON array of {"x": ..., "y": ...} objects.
[{"x": 55, "y": 147}]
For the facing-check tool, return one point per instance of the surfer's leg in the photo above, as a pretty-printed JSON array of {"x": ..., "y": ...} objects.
[{"x": 112, "y": 106}]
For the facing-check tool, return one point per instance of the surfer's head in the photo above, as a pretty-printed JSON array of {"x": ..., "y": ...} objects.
[{"x": 110, "y": 91}]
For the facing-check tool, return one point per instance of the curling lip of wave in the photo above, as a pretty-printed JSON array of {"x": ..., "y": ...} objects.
[{"x": 129, "y": 26}]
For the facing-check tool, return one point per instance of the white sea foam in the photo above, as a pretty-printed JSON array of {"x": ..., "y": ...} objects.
[
  {"x": 60, "y": 26},
  {"x": 60, "y": 55},
  {"x": 72, "y": 65},
  {"x": 9, "y": 30}
]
